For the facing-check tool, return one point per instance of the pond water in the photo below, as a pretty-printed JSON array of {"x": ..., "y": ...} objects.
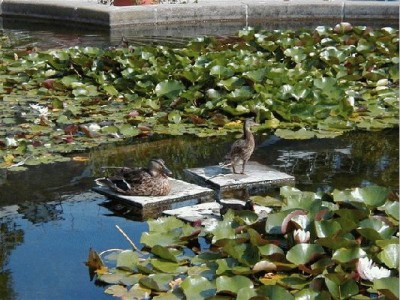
[{"x": 49, "y": 218}]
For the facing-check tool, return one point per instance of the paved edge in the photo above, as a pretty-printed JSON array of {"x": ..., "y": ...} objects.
[{"x": 245, "y": 11}]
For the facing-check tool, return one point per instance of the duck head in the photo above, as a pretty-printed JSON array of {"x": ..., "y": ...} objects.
[{"x": 157, "y": 167}]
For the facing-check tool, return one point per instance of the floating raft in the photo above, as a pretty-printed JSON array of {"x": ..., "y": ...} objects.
[
  {"x": 209, "y": 213},
  {"x": 258, "y": 178},
  {"x": 182, "y": 194}
]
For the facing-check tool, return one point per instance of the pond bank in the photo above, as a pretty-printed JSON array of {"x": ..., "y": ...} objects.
[{"x": 248, "y": 12}]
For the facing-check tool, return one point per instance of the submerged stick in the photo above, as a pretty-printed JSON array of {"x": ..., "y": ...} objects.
[{"x": 129, "y": 240}]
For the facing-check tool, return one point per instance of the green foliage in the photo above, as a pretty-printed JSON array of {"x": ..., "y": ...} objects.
[
  {"x": 241, "y": 257},
  {"x": 305, "y": 84}
]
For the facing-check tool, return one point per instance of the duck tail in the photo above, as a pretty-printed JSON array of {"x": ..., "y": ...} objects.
[
  {"x": 227, "y": 162},
  {"x": 104, "y": 181}
]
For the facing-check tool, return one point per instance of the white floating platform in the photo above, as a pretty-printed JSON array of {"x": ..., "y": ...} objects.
[
  {"x": 182, "y": 194},
  {"x": 209, "y": 213},
  {"x": 258, "y": 178}
]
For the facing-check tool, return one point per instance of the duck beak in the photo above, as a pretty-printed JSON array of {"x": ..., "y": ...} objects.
[{"x": 167, "y": 171}]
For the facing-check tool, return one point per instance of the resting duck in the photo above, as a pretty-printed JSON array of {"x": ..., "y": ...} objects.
[
  {"x": 242, "y": 149},
  {"x": 150, "y": 181}
]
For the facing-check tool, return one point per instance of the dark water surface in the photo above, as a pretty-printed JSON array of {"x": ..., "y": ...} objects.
[{"x": 49, "y": 217}]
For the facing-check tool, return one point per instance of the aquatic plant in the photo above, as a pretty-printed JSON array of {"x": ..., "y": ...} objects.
[
  {"x": 300, "y": 84},
  {"x": 351, "y": 250}
]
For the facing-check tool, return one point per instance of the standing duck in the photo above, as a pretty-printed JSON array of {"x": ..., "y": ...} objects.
[
  {"x": 150, "y": 181},
  {"x": 242, "y": 149}
]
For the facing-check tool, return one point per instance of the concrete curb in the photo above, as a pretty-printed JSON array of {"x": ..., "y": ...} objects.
[{"x": 245, "y": 11}]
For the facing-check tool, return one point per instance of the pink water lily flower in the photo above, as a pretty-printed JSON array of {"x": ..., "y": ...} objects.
[
  {"x": 301, "y": 236},
  {"x": 368, "y": 270}
]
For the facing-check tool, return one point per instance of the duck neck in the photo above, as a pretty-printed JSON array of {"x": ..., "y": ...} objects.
[{"x": 248, "y": 135}]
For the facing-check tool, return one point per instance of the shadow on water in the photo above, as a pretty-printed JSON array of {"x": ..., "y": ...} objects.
[{"x": 49, "y": 217}]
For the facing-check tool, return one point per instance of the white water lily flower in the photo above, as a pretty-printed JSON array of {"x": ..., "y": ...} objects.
[
  {"x": 94, "y": 127},
  {"x": 11, "y": 142},
  {"x": 368, "y": 270},
  {"x": 301, "y": 236},
  {"x": 43, "y": 110}
]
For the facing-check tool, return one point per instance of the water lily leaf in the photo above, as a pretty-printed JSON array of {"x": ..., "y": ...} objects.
[
  {"x": 169, "y": 88},
  {"x": 113, "y": 278},
  {"x": 294, "y": 281},
  {"x": 256, "y": 75},
  {"x": 392, "y": 209},
  {"x": 245, "y": 253},
  {"x": 388, "y": 286},
  {"x": 294, "y": 198},
  {"x": 159, "y": 238},
  {"x": 301, "y": 254},
  {"x": 225, "y": 265},
  {"x": 344, "y": 255},
  {"x": 175, "y": 116},
  {"x": 274, "y": 292},
  {"x": 309, "y": 294},
  {"x": 157, "y": 282},
  {"x": 198, "y": 287},
  {"x": 127, "y": 259},
  {"x": 233, "y": 284},
  {"x": 390, "y": 255},
  {"x": 264, "y": 265},
  {"x": 301, "y": 134},
  {"x": 296, "y": 53},
  {"x": 240, "y": 94},
  {"x": 232, "y": 83},
  {"x": 345, "y": 289},
  {"x": 223, "y": 230},
  {"x": 126, "y": 130},
  {"x": 246, "y": 293},
  {"x": 111, "y": 90},
  {"x": 374, "y": 196},
  {"x": 116, "y": 290},
  {"x": 168, "y": 266},
  {"x": 336, "y": 242},
  {"x": 326, "y": 228},
  {"x": 270, "y": 249},
  {"x": 221, "y": 72},
  {"x": 164, "y": 252},
  {"x": 375, "y": 229},
  {"x": 274, "y": 222}
]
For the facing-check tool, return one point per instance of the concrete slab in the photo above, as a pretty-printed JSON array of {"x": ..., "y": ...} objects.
[
  {"x": 257, "y": 179},
  {"x": 182, "y": 194},
  {"x": 209, "y": 213},
  {"x": 249, "y": 12}
]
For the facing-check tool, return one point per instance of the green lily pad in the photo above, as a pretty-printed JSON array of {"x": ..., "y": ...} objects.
[
  {"x": 198, "y": 287},
  {"x": 388, "y": 286},
  {"x": 157, "y": 282},
  {"x": 232, "y": 285},
  {"x": 301, "y": 254}
]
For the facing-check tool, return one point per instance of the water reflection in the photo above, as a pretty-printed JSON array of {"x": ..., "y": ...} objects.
[
  {"x": 31, "y": 32},
  {"x": 49, "y": 218}
]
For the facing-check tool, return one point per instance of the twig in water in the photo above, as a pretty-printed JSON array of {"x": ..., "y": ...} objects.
[{"x": 129, "y": 240}]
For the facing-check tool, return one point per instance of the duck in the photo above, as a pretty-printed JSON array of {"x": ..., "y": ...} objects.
[
  {"x": 144, "y": 181},
  {"x": 242, "y": 149}
]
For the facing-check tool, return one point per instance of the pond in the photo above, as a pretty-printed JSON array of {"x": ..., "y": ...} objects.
[{"x": 49, "y": 217}]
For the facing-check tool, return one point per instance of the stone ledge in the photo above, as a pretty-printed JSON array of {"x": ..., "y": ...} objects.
[{"x": 246, "y": 11}]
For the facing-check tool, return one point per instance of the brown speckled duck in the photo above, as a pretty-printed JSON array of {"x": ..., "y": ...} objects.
[
  {"x": 242, "y": 149},
  {"x": 150, "y": 181}
]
